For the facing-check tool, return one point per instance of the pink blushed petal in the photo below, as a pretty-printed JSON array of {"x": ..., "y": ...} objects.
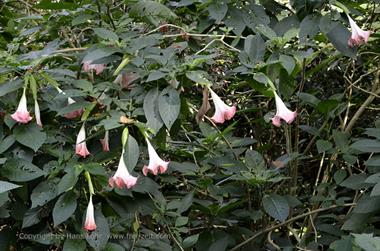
[
  {"x": 122, "y": 178},
  {"x": 230, "y": 112},
  {"x": 89, "y": 223},
  {"x": 289, "y": 117},
  {"x": 218, "y": 118},
  {"x": 164, "y": 167},
  {"x": 21, "y": 117},
  {"x": 145, "y": 170},
  {"x": 276, "y": 121},
  {"x": 81, "y": 150}
]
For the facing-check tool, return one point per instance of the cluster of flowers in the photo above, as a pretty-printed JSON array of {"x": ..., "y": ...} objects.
[{"x": 122, "y": 178}]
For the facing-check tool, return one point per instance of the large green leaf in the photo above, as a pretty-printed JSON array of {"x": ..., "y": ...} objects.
[
  {"x": 106, "y": 34},
  {"x": 276, "y": 206},
  {"x": 20, "y": 170},
  {"x": 218, "y": 10},
  {"x": 151, "y": 111},
  {"x": 169, "y": 105},
  {"x": 44, "y": 192},
  {"x": 6, "y": 186},
  {"x": 64, "y": 207},
  {"x": 131, "y": 153},
  {"x": 30, "y": 135},
  {"x": 367, "y": 145}
]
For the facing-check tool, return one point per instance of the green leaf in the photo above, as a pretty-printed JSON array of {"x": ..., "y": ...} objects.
[
  {"x": 367, "y": 242},
  {"x": 344, "y": 244},
  {"x": 367, "y": 145},
  {"x": 356, "y": 181},
  {"x": 323, "y": 145},
  {"x": 339, "y": 36},
  {"x": 235, "y": 20},
  {"x": 151, "y": 111},
  {"x": 155, "y": 75},
  {"x": 96, "y": 54},
  {"x": 169, "y": 105},
  {"x": 64, "y": 207},
  {"x": 373, "y": 161},
  {"x": 10, "y": 86},
  {"x": 6, "y": 186},
  {"x": 131, "y": 153},
  {"x": 181, "y": 221},
  {"x": 190, "y": 241},
  {"x": 74, "y": 245},
  {"x": 44, "y": 192},
  {"x": 288, "y": 63},
  {"x": 218, "y": 10},
  {"x": 186, "y": 202},
  {"x": 6, "y": 143},
  {"x": 106, "y": 34},
  {"x": 340, "y": 175},
  {"x": 308, "y": 98},
  {"x": 375, "y": 190},
  {"x": 30, "y": 135},
  {"x": 367, "y": 204},
  {"x": 20, "y": 170},
  {"x": 254, "y": 46},
  {"x": 276, "y": 206},
  {"x": 31, "y": 217},
  {"x": 68, "y": 180},
  {"x": 153, "y": 11}
]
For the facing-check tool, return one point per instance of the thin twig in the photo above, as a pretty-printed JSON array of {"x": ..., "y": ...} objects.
[{"x": 287, "y": 222}]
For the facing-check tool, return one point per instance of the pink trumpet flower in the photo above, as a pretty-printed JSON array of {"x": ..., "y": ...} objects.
[
  {"x": 282, "y": 112},
  {"x": 222, "y": 111},
  {"x": 122, "y": 178},
  {"x": 81, "y": 147},
  {"x": 37, "y": 113},
  {"x": 358, "y": 36},
  {"x": 104, "y": 142},
  {"x": 156, "y": 164},
  {"x": 88, "y": 67},
  {"x": 89, "y": 223},
  {"x": 73, "y": 114},
  {"x": 22, "y": 115}
]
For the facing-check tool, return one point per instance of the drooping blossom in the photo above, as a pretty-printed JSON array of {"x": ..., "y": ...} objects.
[
  {"x": 89, "y": 223},
  {"x": 282, "y": 112},
  {"x": 222, "y": 111},
  {"x": 122, "y": 178},
  {"x": 156, "y": 164},
  {"x": 358, "y": 36},
  {"x": 22, "y": 115},
  {"x": 73, "y": 114},
  {"x": 88, "y": 67},
  {"x": 105, "y": 143},
  {"x": 37, "y": 113},
  {"x": 81, "y": 147}
]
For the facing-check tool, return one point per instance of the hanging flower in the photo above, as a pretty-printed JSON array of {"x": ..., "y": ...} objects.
[
  {"x": 73, "y": 114},
  {"x": 89, "y": 223},
  {"x": 88, "y": 67},
  {"x": 37, "y": 113},
  {"x": 104, "y": 142},
  {"x": 22, "y": 115},
  {"x": 282, "y": 112},
  {"x": 358, "y": 36},
  {"x": 156, "y": 164},
  {"x": 81, "y": 147},
  {"x": 222, "y": 111},
  {"x": 122, "y": 178}
]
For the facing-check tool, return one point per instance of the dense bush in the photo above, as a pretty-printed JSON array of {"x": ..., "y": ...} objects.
[{"x": 189, "y": 125}]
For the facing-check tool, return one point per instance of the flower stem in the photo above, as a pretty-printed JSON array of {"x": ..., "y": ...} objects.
[{"x": 90, "y": 186}]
